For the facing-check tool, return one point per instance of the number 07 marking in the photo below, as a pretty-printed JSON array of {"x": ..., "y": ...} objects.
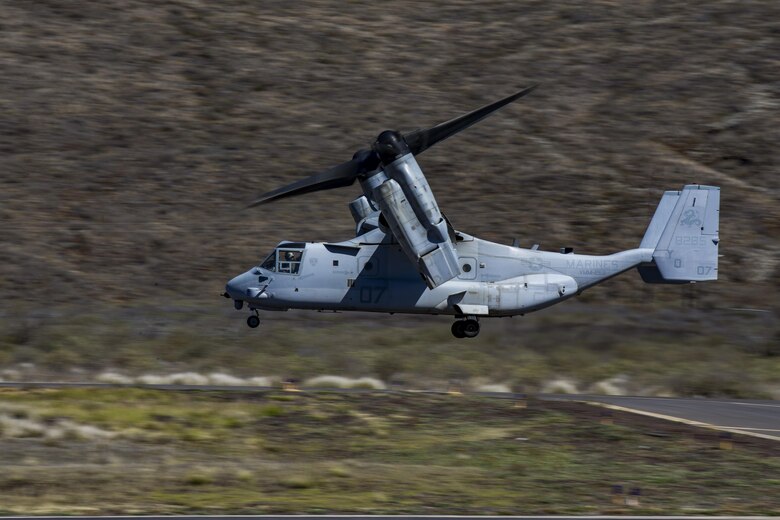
[{"x": 371, "y": 294}]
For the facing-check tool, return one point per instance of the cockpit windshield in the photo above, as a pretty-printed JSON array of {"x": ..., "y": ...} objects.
[
  {"x": 270, "y": 262},
  {"x": 284, "y": 260}
]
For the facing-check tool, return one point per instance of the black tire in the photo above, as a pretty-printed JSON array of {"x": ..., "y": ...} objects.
[
  {"x": 253, "y": 321},
  {"x": 457, "y": 329},
  {"x": 470, "y": 328}
]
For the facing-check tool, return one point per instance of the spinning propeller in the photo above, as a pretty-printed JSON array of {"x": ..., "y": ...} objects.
[{"x": 388, "y": 146}]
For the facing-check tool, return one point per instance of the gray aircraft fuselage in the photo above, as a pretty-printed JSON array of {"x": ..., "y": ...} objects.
[{"x": 372, "y": 273}]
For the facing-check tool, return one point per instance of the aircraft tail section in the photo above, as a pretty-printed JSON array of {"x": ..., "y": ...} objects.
[{"x": 684, "y": 236}]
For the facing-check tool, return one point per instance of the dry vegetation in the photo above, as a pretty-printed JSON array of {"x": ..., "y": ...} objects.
[
  {"x": 133, "y": 451},
  {"x": 575, "y": 347},
  {"x": 134, "y": 132}
]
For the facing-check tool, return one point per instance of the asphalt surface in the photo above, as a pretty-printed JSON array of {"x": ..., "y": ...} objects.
[
  {"x": 749, "y": 417},
  {"x": 758, "y": 418}
]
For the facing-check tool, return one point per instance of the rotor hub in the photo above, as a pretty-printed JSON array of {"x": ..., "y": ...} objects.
[
  {"x": 390, "y": 145},
  {"x": 368, "y": 161}
]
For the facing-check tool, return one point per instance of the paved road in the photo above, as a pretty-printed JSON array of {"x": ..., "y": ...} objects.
[
  {"x": 758, "y": 418},
  {"x": 738, "y": 415}
]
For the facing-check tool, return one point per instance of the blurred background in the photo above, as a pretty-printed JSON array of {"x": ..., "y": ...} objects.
[{"x": 134, "y": 133}]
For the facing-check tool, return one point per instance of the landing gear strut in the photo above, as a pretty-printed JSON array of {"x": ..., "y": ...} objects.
[
  {"x": 253, "y": 321},
  {"x": 468, "y": 328}
]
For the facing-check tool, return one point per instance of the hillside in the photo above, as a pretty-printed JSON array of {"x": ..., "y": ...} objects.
[{"x": 133, "y": 134}]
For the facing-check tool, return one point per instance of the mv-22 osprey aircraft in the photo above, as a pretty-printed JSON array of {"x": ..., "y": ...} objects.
[{"x": 407, "y": 258}]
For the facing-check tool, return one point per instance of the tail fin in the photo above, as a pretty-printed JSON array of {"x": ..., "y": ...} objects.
[{"x": 684, "y": 237}]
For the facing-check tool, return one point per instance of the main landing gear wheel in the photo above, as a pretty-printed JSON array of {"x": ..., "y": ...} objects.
[
  {"x": 470, "y": 328},
  {"x": 465, "y": 328},
  {"x": 457, "y": 329},
  {"x": 253, "y": 321}
]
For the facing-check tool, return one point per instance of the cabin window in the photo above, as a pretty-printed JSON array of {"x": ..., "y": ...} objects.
[{"x": 288, "y": 260}]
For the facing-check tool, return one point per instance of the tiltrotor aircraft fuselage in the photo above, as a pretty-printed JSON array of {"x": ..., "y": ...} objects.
[{"x": 407, "y": 258}]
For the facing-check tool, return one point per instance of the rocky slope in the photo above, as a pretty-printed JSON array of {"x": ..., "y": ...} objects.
[{"x": 133, "y": 133}]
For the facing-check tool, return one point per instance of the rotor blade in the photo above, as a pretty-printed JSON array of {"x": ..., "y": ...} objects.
[
  {"x": 421, "y": 140},
  {"x": 337, "y": 177}
]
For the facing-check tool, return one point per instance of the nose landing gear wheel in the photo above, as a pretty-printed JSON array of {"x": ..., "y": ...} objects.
[{"x": 253, "y": 321}]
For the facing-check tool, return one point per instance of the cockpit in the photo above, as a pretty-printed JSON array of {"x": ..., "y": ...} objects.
[{"x": 286, "y": 258}]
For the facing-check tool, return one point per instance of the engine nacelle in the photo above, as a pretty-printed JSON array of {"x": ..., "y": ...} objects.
[
  {"x": 407, "y": 173},
  {"x": 407, "y": 203},
  {"x": 361, "y": 208},
  {"x": 402, "y": 220}
]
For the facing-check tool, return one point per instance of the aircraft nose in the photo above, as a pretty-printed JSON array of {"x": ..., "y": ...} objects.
[
  {"x": 236, "y": 287},
  {"x": 248, "y": 286}
]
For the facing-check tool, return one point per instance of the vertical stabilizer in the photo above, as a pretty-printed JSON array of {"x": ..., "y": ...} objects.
[
  {"x": 684, "y": 236},
  {"x": 660, "y": 220}
]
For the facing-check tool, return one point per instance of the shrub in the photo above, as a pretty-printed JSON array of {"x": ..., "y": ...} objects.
[{"x": 199, "y": 477}]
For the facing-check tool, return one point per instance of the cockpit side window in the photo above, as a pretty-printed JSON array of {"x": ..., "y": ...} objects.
[
  {"x": 288, "y": 260},
  {"x": 270, "y": 262}
]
